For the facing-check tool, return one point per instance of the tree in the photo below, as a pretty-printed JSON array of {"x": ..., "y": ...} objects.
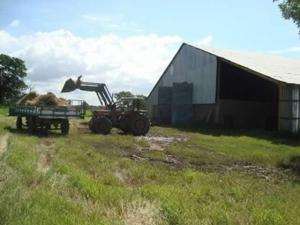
[
  {"x": 291, "y": 10},
  {"x": 12, "y": 74},
  {"x": 140, "y": 101},
  {"x": 123, "y": 94}
]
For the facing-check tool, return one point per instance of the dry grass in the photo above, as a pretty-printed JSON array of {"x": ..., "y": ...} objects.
[
  {"x": 142, "y": 212},
  {"x": 3, "y": 143}
]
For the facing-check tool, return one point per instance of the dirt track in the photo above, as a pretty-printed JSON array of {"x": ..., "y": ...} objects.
[{"x": 3, "y": 143}]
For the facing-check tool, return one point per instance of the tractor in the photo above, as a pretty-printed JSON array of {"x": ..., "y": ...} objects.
[{"x": 125, "y": 114}]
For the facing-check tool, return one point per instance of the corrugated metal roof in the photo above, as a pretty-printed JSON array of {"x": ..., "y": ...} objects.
[{"x": 272, "y": 66}]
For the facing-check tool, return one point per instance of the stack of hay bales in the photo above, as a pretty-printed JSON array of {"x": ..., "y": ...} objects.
[{"x": 49, "y": 99}]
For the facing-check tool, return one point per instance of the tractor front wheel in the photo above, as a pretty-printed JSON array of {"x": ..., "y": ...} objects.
[{"x": 101, "y": 125}]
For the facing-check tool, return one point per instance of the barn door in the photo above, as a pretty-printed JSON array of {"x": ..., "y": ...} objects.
[
  {"x": 182, "y": 104},
  {"x": 164, "y": 115}
]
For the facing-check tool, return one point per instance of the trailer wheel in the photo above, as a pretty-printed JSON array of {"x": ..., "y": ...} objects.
[
  {"x": 64, "y": 127},
  {"x": 102, "y": 125},
  {"x": 139, "y": 125},
  {"x": 31, "y": 125},
  {"x": 19, "y": 124}
]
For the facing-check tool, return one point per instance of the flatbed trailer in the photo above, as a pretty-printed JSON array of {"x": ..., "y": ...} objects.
[{"x": 45, "y": 118}]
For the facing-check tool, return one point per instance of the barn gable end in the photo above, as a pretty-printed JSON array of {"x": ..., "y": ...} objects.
[{"x": 228, "y": 89}]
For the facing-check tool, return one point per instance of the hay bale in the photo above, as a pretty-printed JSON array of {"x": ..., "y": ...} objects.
[
  {"x": 48, "y": 99},
  {"x": 28, "y": 97},
  {"x": 63, "y": 102}
]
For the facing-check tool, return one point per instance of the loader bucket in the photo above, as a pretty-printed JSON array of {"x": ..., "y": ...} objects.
[{"x": 70, "y": 85}]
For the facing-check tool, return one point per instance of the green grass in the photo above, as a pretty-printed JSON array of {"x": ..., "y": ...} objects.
[
  {"x": 91, "y": 179},
  {"x": 3, "y": 110}
]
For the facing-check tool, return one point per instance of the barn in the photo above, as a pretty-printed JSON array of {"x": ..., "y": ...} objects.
[{"x": 229, "y": 89}]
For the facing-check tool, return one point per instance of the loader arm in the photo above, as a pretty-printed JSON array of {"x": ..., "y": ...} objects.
[{"x": 103, "y": 94}]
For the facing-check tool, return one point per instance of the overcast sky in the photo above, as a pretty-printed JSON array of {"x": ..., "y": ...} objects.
[{"x": 127, "y": 44}]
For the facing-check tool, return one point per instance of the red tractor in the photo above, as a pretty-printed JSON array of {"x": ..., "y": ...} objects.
[{"x": 125, "y": 114}]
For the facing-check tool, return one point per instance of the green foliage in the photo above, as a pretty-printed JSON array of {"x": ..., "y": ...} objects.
[
  {"x": 139, "y": 102},
  {"x": 12, "y": 74},
  {"x": 123, "y": 94},
  {"x": 291, "y": 10},
  {"x": 3, "y": 110}
]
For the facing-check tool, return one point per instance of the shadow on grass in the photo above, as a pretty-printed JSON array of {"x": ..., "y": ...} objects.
[
  {"x": 39, "y": 133},
  {"x": 293, "y": 163},
  {"x": 275, "y": 137}
]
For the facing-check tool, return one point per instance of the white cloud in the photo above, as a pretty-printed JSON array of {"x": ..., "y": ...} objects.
[
  {"x": 286, "y": 50},
  {"x": 205, "y": 42},
  {"x": 14, "y": 23},
  {"x": 124, "y": 63}
]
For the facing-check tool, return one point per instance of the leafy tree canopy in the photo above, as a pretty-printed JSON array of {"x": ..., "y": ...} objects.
[
  {"x": 123, "y": 94},
  {"x": 12, "y": 74},
  {"x": 141, "y": 101},
  {"x": 291, "y": 10}
]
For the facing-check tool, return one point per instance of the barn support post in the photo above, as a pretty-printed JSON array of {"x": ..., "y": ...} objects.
[
  {"x": 295, "y": 109},
  {"x": 289, "y": 108}
]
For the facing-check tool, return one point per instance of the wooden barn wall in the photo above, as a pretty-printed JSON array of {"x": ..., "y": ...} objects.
[{"x": 193, "y": 66}]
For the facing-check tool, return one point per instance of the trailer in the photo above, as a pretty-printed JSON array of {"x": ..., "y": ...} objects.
[{"x": 45, "y": 118}]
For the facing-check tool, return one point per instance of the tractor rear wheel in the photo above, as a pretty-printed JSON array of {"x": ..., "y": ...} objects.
[
  {"x": 139, "y": 125},
  {"x": 102, "y": 125},
  {"x": 19, "y": 124},
  {"x": 64, "y": 127}
]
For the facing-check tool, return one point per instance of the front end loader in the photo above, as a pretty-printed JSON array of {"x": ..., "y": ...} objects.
[{"x": 124, "y": 114}]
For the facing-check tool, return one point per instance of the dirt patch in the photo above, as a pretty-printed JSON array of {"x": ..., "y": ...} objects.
[
  {"x": 267, "y": 173},
  {"x": 170, "y": 160},
  {"x": 45, "y": 157},
  {"x": 3, "y": 143},
  {"x": 141, "y": 212},
  {"x": 81, "y": 127},
  {"x": 293, "y": 163},
  {"x": 159, "y": 143},
  {"x": 47, "y": 142},
  {"x": 44, "y": 163}
]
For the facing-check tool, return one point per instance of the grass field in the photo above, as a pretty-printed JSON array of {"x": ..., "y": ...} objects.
[{"x": 174, "y": 176}]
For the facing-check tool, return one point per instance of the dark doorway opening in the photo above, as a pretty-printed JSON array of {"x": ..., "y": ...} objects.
[{"x": 247, "y": 100}]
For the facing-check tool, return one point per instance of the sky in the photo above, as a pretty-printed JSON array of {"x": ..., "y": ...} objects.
[{"x": 127, "y": 44}]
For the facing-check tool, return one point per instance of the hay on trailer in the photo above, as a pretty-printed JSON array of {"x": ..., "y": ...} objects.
[
  {"x": 48, "y": 99},
  {"x": 63, "y": 102},
  {"x": 28, "y": 97}
]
